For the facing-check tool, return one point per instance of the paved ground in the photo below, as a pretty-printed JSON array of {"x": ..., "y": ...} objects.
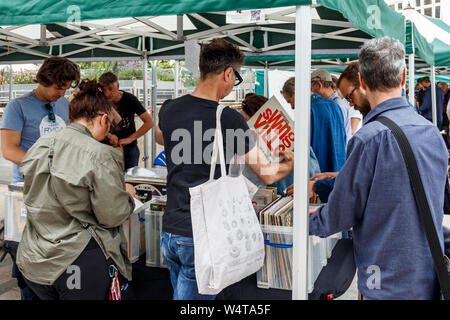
[{"x": 8, "y": 285}]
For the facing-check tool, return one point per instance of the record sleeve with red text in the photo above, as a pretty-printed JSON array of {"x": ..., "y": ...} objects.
[{"x": 275, "y": 129}]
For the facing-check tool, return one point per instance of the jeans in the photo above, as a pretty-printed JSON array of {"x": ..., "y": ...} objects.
[
  {"x": 131, "y": 155},
  {"x": 178, "y": 254}
]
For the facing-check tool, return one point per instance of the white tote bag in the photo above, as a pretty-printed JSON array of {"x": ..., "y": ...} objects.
[{"x": 228, "y": 241}]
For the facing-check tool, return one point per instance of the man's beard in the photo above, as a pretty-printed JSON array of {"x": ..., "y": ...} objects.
[{"x": 364, "y": 108}]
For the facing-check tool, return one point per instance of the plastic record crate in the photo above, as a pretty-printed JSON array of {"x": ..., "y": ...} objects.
[
  {"x": 135, "y": 232},
  {"x": 153, "y": 229},
  {"x": 15, "y": 213},
  {"x": 277, "y": 269}
]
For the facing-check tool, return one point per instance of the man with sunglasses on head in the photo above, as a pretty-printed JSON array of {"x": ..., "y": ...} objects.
[
  {"x": 186, "y": 128},
  {"x": 33, "y": 115}
]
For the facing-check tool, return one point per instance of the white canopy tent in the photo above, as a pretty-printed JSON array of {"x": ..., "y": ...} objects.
[{"x": 148, "y": 38}]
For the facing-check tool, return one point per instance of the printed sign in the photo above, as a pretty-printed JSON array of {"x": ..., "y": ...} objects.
[
  {"x": 275, "y": 129},
  {"x": 245, "y": 16}
]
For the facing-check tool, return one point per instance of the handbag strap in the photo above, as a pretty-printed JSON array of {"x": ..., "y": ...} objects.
[
  {"x": 422, "y": 205},
  {"x": 218, "y": 146},
  {"x": 86, "y": 226}
]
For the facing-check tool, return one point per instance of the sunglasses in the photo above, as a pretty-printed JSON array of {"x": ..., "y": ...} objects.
[
  {"x": 349, "y": 97},
  {"x": 113, "y": 125},
  {"x": 237, "y": 75},
  {"x": 51, "y": 114}
]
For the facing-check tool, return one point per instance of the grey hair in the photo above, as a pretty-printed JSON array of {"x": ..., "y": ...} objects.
[
  {"x": 289, "y": 87},
  {"x": 382, "y": 63}
]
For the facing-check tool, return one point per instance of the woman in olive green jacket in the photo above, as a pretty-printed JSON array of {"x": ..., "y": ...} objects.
[{"x": 76, "y": 201}]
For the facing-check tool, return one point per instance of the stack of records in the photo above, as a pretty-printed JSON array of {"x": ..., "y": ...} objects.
[
  {"x": 263, "y": 197},
  {"x": 276, "y": 223},
  {"x": 148, "y": 182}
]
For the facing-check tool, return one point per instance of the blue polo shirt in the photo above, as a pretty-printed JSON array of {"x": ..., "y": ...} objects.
[{"x": 373, "y": 195}]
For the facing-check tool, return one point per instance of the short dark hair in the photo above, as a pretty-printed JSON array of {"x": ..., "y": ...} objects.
[
  {"x": 289, "y": 87},
  {"x": 351, "y": 73},
  {"x": 252, "y": 103},
  {"x": 107, "y": 78},
  {"x": 217, "y": 55},
  {"x": 89, "y": 102},
  {"x": 58, "y": 70}
]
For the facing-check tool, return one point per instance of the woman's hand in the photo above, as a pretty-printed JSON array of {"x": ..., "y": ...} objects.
[{"x": 130, "y": 189}]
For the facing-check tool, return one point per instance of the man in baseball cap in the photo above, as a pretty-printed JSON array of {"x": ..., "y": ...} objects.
[{"x": 322, "y": 84}]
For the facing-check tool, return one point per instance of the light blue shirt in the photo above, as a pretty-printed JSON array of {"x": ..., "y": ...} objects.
[
  {"x": 373, "y": 195},
  {"x": 29, "y": 116},
  {"x": 345, "y": 108}
]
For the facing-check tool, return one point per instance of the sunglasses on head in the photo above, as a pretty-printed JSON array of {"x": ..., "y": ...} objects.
[{"x": 51, "y": 114}]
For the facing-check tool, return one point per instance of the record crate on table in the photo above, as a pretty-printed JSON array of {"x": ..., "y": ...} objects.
[
  {"x": 276, "y": 224},
  {"x": 153, "y": 229},
  {"x": 135, "y": 234},
  {"x": 15, "y": 213}
]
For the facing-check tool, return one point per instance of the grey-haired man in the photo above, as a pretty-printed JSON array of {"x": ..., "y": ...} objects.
[{"x": 372, "y": 192}]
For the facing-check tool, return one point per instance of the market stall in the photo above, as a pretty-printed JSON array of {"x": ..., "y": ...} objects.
[{"x": 313, "y": 25}]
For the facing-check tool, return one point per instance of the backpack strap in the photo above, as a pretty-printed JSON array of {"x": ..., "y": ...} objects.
[{"x": 440, "y": 260}]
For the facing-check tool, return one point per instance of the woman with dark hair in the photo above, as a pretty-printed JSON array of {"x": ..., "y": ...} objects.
[
  {"x": 76, "y": 201},
  {"x": 250, "y": 105}
]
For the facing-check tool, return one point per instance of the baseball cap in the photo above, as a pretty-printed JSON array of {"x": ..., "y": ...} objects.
[{"x": 321, "y": 75}]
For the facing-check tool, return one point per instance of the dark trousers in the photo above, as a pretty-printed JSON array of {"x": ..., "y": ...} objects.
[
  {"x": 131, "y": 155},
  {"x": 25, "y": 292},
  {"x": 86, "y": 279}
]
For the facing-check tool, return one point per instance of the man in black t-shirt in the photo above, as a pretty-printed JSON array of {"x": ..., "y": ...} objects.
[
  {"x": 128, "y": 105},
  {"x": 186, "y": 128}
]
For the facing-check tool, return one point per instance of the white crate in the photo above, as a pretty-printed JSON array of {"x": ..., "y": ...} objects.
[
  {"x": 135, "y": 232},
  {"x": 15, "y": 215},
  {"x": 278, "y": 245},
  {"x": 153, "y": 228}
]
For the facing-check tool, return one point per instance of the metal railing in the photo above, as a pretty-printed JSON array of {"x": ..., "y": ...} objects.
[{"x": 162, "y": 94}]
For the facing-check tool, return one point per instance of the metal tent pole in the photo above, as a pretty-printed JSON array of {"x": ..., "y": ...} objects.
[
  {"x": 303, "y": 32},
  {"x": 177, "y": 64},
  {"x": 411, "y": 79},
  {"x": 10, "y": 81},
  {"x": 266, "y": 79},
  {"x": 154, "y": 106},
  {"x": 433, "y": 94},
  {"x": 145, "y": 88}
]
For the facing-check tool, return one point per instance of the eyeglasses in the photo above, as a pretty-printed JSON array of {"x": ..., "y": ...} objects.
[
  {"x": 238, "y": 77},
  {"x": 51, "y": 114},
  {"x": 113, "y": 125},
  {"x": 349, "y": 97}
]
